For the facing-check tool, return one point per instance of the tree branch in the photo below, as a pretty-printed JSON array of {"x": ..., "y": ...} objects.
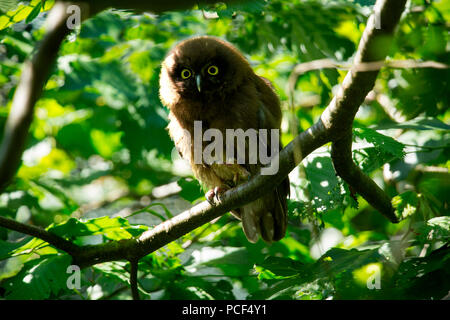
[
  {"x": 134, "y": 279},
  {"x": 40, "y": 233},
  {"x": 33, "y": 78},
  {"x": 189, "y": 220},
  {"x": 341, "y": 154},
  {"x": 374, "y": 46},
  {"x": 320, "y": 64}
]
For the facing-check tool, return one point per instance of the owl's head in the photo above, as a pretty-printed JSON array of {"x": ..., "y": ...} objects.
[{"x": 201, "y": 68}]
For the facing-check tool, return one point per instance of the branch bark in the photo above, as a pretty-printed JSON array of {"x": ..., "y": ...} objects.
[{"x": 341, "y": 154}]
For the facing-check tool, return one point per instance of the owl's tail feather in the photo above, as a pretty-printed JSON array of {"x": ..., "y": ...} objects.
[
  {"x": 266, "y": 217},
  {"x": 280, "y": 213},
  {"x": 266, "y": 226},
  {"x": 249, "y": 224}
]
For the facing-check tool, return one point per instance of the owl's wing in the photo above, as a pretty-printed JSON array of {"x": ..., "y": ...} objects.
[
  {"x": 180, "y": 136},
  {"x": 268, "y": 215}
]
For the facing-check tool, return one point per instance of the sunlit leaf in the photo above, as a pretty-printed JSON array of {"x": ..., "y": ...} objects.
[
  {"x": 405, "y": 204},
  {"x": 39, "y": 279},
  {"x": 112, "y": 228}
]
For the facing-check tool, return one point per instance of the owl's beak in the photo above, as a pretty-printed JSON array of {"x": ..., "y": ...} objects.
[{"x": 198, "y": 81}]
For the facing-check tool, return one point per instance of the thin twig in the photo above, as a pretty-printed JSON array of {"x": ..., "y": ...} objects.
[
  {"x": 134, "y": 279},
  {"x": 54, "y": 240},
  {"x": 320, "y": 64}
]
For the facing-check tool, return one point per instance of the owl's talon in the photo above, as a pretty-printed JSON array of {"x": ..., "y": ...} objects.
[
  {"x": 217, "y": 192},
  {"x": 210, "y": 196}
]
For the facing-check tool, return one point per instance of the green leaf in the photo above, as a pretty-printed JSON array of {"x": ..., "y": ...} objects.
[
  {"x": 77, "y": 138},
  {"x": 405, "y": 204},
  {"x": 106, "y": 143},
  {"x": 7, "y": 5},
  {"x": 202, "y": 288},
  {"x": 22, "y": 11},
  {"x": 423, "y": 278},
  {"x": 227, "y": 11},
  {"x": 108, "y": 25},
  {"x": 282, "y": 266},
  {"x": 51, "y": 187},
  {"x": 419, "y": 123},
  {"x": 219, "y": 255},
  {"x": 435, "y": 229},
  {"x": 324, "y": 187},
  {"x": 34, "y": 13},
  {"x": 114, "y": 269},
  {"x": 112, "y": 228},
  {"x": 381, "y": 142},
  {"x": 31, "y": 247},
  {"x": 381, "y": 149},
  {"x": 178, "y": 291},
  {"x": 233, "y": 261},
  {"x": 7, "y": 248},
  {"x": 190, "y": 189},
  {"x": 18, "y": 44},
  {"x": 42, "y": 278},
  {"x": 331, "y": 265},
  {"x": 337, "y": 260}
]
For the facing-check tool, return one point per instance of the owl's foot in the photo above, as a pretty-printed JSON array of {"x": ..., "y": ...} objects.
[
  {"x": 215, "y": 194},
  {"x": 210, "y": 196}
]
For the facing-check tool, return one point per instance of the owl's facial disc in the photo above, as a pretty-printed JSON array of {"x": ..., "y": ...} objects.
[
  {"x": 200, "y": 78},
  {"x": 203, "y": 80},
  {"x": 211, "y": 71}
]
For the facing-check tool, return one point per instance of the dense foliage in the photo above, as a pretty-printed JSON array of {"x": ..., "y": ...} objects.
[{"x": 98, "y": 154}]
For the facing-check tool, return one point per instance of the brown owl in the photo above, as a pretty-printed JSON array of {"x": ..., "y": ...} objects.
[{"x": 205, "y": 80}]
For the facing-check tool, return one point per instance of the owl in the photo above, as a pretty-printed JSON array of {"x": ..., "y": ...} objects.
[{"x": 207, "y": 80}]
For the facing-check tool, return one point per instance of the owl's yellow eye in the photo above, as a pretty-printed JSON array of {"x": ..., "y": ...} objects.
[
  {"x": 186, "y": 73},
  {"x": 213, "y": 70}
]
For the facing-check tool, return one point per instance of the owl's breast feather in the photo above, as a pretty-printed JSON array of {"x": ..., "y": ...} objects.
[{"x": 230, "y": 172}]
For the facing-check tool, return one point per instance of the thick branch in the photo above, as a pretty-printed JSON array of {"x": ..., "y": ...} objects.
[
  {"x": 374, "y": 46},
  {"x": 341, "y": 154},
  {"x": 339, "y": 116}
]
